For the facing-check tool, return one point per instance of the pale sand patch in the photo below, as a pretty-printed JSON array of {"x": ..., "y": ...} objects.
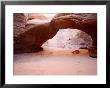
[{"x": 53, "y": 61}]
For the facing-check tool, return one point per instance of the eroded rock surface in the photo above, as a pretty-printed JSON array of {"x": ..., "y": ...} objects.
[{"x": 19, "y": 23}]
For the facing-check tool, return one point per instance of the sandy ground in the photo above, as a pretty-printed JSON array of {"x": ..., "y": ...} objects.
[{"x": 54, "y": 61}]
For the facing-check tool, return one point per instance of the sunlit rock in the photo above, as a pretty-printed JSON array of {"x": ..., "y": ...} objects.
[{"x": 70, "y": 39}]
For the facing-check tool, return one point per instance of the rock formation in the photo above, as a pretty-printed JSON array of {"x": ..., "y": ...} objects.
[
  {"x": 86, "y": 22},
  {"x": 19, "y": 23},
  {"x": 31, "y": 39}
]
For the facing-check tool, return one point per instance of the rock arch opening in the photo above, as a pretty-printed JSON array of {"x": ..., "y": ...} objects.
[{"x": 69, "y": 39}]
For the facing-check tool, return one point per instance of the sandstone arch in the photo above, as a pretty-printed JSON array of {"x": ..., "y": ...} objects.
[
  {"x": 84, "y": 22},
  {"x": 32, "y": 39}
]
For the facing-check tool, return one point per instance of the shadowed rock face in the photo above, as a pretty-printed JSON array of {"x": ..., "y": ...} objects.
[
  {"x": 32, "y": 38},
  {"x": 29, "y": 38}
]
